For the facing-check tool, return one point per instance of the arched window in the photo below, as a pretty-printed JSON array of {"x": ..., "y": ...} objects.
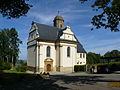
[
  {"x": 68, "y": 52},
  {"x": 48, "y": 51},
  {"x": 81, "y": 55}
]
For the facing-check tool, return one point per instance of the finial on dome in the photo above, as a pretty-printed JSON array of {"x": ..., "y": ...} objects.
[{"x": 58, "y": 12}]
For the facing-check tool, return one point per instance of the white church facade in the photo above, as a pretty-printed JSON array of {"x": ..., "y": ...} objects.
[{"x": 54, "y": 48}]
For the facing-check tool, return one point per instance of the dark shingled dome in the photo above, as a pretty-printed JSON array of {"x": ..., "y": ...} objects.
[{"x": 58, "y": 18}]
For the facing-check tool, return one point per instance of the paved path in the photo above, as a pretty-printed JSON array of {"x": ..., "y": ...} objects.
[
  {"x": 64, "y": 81},
  {"x": 84, "y": 81}
]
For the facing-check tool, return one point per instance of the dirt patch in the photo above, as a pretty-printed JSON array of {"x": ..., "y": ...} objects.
[{"x": 114, "y": 84}]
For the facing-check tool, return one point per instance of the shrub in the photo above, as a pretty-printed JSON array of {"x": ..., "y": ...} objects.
[
  {"x": 108, "y": 68},
  {"x": 5, "y": 66},
  {"x": 21, "y": 68},
  {"x": 114, "y": 67},
  {"x": 103, "y": 69},
  {"x": 78, "y": 68}
]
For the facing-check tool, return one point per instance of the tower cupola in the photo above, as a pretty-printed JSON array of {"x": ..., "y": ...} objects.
[{"x": 58, "y": 22}]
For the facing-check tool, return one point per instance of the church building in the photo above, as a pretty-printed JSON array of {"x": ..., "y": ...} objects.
[{"x": 54, "y": 48}]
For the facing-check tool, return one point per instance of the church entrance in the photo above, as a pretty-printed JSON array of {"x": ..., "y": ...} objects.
[{"x": 48, "y": 65}]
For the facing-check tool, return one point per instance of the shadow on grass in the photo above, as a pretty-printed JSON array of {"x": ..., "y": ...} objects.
[{"x": 24, "y": 81}]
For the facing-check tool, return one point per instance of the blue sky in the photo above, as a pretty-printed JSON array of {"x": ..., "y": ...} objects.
[{"x": 75, "y": 14}]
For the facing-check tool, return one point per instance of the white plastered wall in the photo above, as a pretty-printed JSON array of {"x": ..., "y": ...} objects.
[
  {"x": 81, "y": 60},
  {"x": 31, "y": 56},
  {"x": 42, "y": 57},
  {"x": 68, "y": 61},
  {"x": 68, "y": 34}
]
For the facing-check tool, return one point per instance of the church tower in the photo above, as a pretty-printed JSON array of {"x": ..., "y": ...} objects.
[{"x": 58, "y": 22}]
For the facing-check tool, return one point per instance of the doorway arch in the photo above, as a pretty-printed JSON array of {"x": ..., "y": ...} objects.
[{"x": 48, "y": 65}]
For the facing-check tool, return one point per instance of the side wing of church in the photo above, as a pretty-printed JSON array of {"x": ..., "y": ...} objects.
[{"x": 54, "y": 48}]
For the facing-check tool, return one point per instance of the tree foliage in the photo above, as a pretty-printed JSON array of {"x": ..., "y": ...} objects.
[
  {"x": 14, "y": 8},
  {"x": 9, "y": 45},
  {"x": 113, "y": 53},
  {"x": 109, "y": 16},
  {"x": 93, "y": 58}
]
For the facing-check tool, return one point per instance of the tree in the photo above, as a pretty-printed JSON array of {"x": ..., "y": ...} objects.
[
  {"x": 93, "y": 58},
  {"x": 9, "y": 45},
  {"x": 109, "y": 16},
  {"x": 112, "y": 54},
  {"x": 14, "y": 8},
  {"x": 14, "y": 44},
  {"x": 4, "y": 44}
]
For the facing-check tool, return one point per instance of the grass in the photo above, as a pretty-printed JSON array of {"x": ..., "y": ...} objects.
[
  {"x": 12, "y": 77},
  {"x": 12, "y": 71}
]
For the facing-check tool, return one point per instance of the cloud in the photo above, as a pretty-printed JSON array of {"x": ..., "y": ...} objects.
[
  {"x": 42, "y": 18},
  {"x": 70, "y": 10},
  {"x": 103, "y": 43},
  {"x": 103, "y": 50},
  {"x": 87, "y": 25},
  {"x": 93, "y": 43}
]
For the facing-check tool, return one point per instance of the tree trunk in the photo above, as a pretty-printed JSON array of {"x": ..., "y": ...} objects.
[{"x": 12, "y": 63}]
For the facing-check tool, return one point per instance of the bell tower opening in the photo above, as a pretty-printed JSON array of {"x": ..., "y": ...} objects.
[{"x": 58, "y": 21}]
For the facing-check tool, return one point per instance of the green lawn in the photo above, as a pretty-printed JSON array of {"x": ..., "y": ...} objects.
[{"x": 12, "y": 71}]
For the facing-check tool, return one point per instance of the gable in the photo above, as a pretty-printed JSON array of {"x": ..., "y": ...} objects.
[
  {"x": 68, "y": 34},
  {"x": 33, "y": 32}
]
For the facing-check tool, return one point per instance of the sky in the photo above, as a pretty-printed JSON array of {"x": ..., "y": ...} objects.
[{"x": 76, "y": 15}]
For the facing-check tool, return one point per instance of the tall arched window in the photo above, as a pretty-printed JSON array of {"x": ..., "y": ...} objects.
[
  {"x": 68, "y": 52},
  {"x": 48, "y": 51}
]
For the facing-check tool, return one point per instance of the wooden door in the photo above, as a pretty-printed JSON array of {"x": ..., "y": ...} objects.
[{"x": 48, "y": 67}]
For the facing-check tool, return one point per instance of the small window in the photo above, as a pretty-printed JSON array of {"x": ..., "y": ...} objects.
[
  {"x": 80, "y": 55},
  {"x": 68, "y": 52},
  {"x": 83, "y": 55},
  {"x": 80, "y": 62},
  {"x": 48, "y": 51},
  {"x": 32, "y": 35},
  {"x": 61, "y": 26}
]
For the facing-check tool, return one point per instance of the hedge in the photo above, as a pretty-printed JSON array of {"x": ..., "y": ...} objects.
[
  {"x": 78, "y": 68},
  {"x": 107, "y": 68}
]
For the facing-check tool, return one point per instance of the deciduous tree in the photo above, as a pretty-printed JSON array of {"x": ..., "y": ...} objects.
[
  {"x": 9, "y": 45},
  {"x": 109, "y": 16},
  {"x": 14, "y": 8}
]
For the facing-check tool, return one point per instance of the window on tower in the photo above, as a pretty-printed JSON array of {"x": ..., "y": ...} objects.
[{"x": 61, "y": 25}]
